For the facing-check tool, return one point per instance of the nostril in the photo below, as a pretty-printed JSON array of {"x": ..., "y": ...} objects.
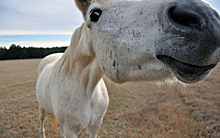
[{"x": 185, "y": 18}]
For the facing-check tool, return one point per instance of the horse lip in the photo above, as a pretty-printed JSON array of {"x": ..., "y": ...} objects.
[{"x": 183, "y": 68}]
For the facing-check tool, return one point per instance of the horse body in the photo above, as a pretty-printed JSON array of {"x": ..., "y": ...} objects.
[
  {"x": 66, "y": 98},
  {"x": 77, "y": 101},
  {"x": 127, "y": 40}
]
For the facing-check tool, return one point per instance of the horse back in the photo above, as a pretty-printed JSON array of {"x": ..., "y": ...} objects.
[
  {"x": 44, "y": 71},
  {"x": 48, "y": 60}
]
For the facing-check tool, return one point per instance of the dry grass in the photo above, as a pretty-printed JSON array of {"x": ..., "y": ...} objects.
[{"x": 136, "y": 110}]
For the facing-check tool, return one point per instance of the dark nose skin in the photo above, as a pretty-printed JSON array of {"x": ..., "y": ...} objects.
[
  {"x": 185, "y": 18},
  {"x": 192, "y": 32},
  {"x": 194, "y": 16}
]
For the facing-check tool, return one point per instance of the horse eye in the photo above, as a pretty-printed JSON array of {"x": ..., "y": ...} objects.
[{"x": 95, "y": 14}]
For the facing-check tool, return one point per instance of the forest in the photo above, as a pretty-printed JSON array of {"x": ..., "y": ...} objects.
[{"x": 18, "y": 52}]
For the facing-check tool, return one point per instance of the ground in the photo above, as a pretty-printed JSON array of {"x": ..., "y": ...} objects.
[{"x": 136, "y": 110}]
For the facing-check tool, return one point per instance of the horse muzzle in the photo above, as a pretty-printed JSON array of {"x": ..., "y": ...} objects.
[{"x": 190, "y": 45}]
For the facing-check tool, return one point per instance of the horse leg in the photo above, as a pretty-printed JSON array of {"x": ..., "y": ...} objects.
[
  {"x": 61, "y": 131},
  {"x": 42, "y": 117},
  {"x": 71, "y": 130},
  {"x": 69, "y": 133},
  {"x": 93, "y": 129}
]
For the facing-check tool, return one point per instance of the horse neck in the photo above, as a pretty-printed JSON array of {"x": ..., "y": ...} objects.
[{"x": 79, "y": 61}]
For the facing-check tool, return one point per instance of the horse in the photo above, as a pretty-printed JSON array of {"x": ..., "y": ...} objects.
[{"x": 125, "y": 40}]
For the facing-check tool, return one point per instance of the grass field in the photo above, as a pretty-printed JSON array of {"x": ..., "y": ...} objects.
[{"x": 136, "y": 110}]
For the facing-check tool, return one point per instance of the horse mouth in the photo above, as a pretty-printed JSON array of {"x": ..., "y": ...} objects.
[{"x": 185, "y": 72}]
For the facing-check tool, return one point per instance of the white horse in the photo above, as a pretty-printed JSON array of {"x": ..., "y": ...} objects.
[{"x": 127, "y": 40}]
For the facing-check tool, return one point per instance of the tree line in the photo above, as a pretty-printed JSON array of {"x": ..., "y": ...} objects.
[{"x": 18, "y": 52}]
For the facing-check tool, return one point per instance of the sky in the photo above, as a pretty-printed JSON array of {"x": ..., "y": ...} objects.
[{"x": 42, "y": 23}]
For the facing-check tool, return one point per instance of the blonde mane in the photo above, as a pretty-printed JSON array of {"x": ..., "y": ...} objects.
[{"x": 80, "y": 49}]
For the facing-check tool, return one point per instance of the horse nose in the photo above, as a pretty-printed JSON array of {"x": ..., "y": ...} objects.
[
  {"x": 192, "y": 26},
  {"x": 186, "y": 18}
]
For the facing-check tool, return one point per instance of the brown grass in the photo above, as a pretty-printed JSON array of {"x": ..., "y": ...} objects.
[{"x": 136, "y": 110}]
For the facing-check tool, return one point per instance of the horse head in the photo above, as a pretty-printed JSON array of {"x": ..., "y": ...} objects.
[{"x": 153, "y": 39}]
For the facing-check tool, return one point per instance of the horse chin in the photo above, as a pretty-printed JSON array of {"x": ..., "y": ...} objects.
[
  {"x": 184, "y": 72},
  {"x": 190, "y": 78}
]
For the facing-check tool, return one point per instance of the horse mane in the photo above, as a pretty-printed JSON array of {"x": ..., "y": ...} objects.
[
  {"x": 68, "y": 57},
  {"x": 80, "y": 49}
]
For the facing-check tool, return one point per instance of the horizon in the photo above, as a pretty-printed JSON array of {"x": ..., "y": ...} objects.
[
  {"x": 38, "y": 40},
  {"x": 31, "y": 46},
  {"x": 42, "y": 23}
]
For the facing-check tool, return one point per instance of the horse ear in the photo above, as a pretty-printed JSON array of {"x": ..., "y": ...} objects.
[{"x": 83, "y": 5}]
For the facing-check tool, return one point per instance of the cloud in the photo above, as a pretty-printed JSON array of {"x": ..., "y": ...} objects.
[
  {"x": 44, "y": 16},
  {"x": 38, "y": 32},
  {"x": 215, "y": 4},
  {"x": 50, "y": 16}
]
